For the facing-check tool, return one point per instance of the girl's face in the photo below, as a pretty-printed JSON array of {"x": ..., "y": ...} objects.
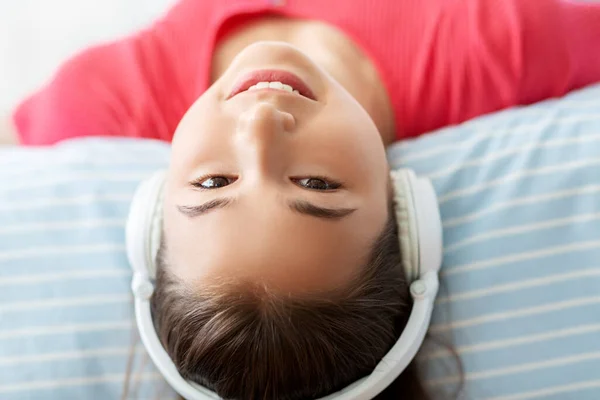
[{"x": 273, "y": 187}]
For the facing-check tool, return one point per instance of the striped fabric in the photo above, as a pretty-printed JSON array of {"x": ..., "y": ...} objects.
[
  {"x": 520, "y": 203},
  {"x": 65, "y": 310},
  {"x": 520, "y": 200}
]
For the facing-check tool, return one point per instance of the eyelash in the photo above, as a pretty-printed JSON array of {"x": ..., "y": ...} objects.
[
  {"x": 334, "y": 185},
  {"x": 197, "y": 183}
]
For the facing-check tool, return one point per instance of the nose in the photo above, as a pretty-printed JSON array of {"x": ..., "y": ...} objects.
[{"x": 263, "y": 132}]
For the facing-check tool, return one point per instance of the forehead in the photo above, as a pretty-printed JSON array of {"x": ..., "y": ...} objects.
[{"x": 270, "y": 245}]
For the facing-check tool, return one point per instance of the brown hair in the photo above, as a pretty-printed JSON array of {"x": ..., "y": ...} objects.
[{"x": 245, "y": 342}]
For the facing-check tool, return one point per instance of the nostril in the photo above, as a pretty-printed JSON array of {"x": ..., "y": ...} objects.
[
  {"x": 259, "y": 113},
  {"x": 265, "y": 113},
  {"x": 264, "y": 120},
  {"x": 289, "y": 122}
]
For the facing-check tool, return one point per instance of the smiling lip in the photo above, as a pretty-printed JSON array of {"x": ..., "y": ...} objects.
[{"x": 287, "y": 78}]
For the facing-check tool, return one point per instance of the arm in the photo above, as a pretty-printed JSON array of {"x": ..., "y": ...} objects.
[
  {"x": 560, "y": 47},
  {"x": 8, "y": 135},
  {"x": 139, "y": 86},
  {"x": 505, "y": 53}
]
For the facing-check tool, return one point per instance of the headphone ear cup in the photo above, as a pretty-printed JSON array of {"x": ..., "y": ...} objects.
[
  {"x": 429, "y": 226},
  {"x": 156, "y": 230},
  {"x": 144, "y": 226},
  {"x": 406, "y": 219}
]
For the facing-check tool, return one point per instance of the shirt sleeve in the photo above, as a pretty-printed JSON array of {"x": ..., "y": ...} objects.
[
  {"x": 488, "y": 55},
  {"x": 559, "y": 47},
  {"x": 138, "y": 86}
]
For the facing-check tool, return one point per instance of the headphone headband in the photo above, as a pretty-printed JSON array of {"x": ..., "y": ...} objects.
[{"x": 420, "y": 236}]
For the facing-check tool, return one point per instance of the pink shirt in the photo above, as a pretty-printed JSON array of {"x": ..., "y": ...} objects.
[{"x": 442, "y": 61}]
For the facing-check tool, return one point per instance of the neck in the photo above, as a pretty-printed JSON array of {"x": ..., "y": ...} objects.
[{"x": 332, "y": 50}]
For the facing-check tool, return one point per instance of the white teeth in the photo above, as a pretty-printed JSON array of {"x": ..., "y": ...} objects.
[{"x": 273, "y": 85}]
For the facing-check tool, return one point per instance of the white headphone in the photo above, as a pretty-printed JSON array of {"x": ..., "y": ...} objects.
[{"x": 420, "y": 233}]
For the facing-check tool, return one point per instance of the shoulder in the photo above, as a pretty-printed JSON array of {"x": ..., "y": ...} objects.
[{"x": 8, "y": 133}]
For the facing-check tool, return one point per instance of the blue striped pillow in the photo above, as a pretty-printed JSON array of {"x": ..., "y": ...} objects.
[
  {"x": 519, "y": 193},
  {"x": 520, "y": 202},
  {"x": 66, "y": 329}
]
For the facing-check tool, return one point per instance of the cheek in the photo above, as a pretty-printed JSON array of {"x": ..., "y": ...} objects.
[
  {"x": 202, "y": 135},
  {"x": 350, "y": 136},
  {"x": 351, "y": 124},
  {"x": 201, "y": 117}
]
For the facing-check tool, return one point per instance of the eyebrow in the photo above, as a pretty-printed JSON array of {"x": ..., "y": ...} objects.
[
  {"x": 196, "y": 211},
  {"x": 299, "y": 206},
  {"x": 313, "y": 210}
]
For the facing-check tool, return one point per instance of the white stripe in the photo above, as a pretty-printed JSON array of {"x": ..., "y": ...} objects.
[
  {"x": 62, "y": 226},
  {"x": 29, "y": 205},
  {"x": 72, "y": 355},
  {"x": 516, "y": 176},
  {"x": 82, "y": 381},
  {"x": 512, "y": 342},
  {"x": 557, "y": 362},
  {"x": 542, "y": 108},
  {"x": 481, "y": 133},
  {"x": 34, "y": 279},
  {"x": 491, "y": 157},
  {"x": 550, "y": 391},
  {"x": 14, "y": 168},
  {"x": 44, "y": 304},
  {"x": 519, "y": 285},
  {"x": 36, "y": 331},
  {"x": 73, "y": 177},
  {"x": 512, "y": 258},
  {"x": 520, "y": 229},
  {"x": 510, "y": 314},
  {"x": 59, "y": 251},
  {"x": 573, "y": 192},
  {"x": 539, "y": 109},
  {"x": 101, "y": 155},
  {"x": 54, "y": 168}
]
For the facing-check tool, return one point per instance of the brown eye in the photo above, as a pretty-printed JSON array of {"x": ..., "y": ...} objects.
[
  {"x": 213, "y": 182},
  {"x": 317, "y": 184}
]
